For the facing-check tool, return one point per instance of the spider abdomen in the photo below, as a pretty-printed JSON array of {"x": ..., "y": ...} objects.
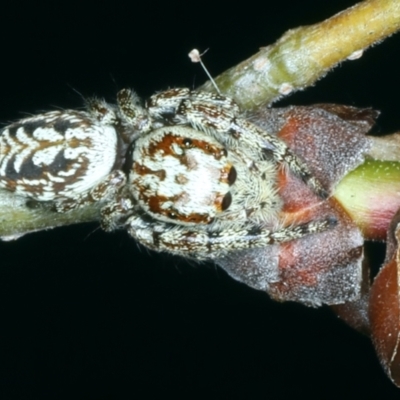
[{"x": 56, "y": 155}]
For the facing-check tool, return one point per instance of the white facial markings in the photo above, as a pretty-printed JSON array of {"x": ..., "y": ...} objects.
[{"x": 179, "y": 174}]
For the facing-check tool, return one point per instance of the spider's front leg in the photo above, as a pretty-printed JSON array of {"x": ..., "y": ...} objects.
[
  {"x": 280, "y": 152},
  {"x": 132, "y": 113},
  {"x": 207, "y": 112},
  {"x": 168, "y": 104},
  {"x": 207, "y": 244}
]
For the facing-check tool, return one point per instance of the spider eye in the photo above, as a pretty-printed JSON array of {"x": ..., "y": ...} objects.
[
  {"x": 232, "y": 176},
  {"x": 187, "y": 142},
  {"x": 226, "y": 201},
  {"x": 172, "y": 215}
]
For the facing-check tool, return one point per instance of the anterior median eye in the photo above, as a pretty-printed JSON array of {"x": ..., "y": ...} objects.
[
  {"x": 226, "y": 201},
  {"x": 232, "y": 176}
]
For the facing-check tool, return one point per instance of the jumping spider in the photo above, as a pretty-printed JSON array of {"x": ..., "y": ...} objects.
[{"x": 201, "y": 180}]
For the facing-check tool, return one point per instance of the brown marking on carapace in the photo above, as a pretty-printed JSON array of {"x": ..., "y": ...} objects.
[
  {"x": 169, "y": 139},
  {"x": 143, "y": 170},
  {"x": 155, "y": 204}
]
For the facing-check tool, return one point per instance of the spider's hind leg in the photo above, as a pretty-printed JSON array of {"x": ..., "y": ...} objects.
[{"x": 203, "y": 244}]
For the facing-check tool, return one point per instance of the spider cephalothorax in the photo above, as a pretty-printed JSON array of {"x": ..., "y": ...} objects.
[{"x": 201, "y": 179}]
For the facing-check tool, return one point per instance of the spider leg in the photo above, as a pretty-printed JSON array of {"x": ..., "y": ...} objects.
[
  {"x": 132, "y": 112},
  {"x": 114, "y": 214},
  {"x": 280, "y": 152},
  {"x": 225, "y": 123},
  {"x": 165, "y": 104},
  {"x": 101, "y": 111},
  {"x": 205, "y": 244}
]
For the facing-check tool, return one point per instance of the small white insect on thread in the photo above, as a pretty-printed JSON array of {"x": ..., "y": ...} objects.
[{"x": 195, "y": 57}]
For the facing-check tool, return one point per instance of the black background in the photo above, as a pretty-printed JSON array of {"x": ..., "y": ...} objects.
[{"x": 90, "y": 315}]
